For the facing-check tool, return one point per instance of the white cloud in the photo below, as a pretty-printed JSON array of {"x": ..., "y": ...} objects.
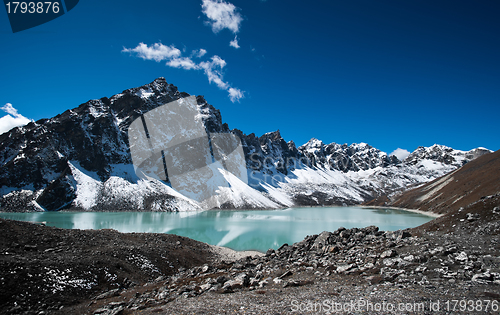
[
  {"x": 212, "y": 67},
  {"x": 235, "y": 94},
  {"x": 401, "y": 154},
  {"x": 213, "y": 70},
  {"x": 234, "y": 42},
  {"x": 222, "y": 15},
  {"x": 184, "y": 63},
  {"x": 156, "y": 52},
  {"x": 9, "y": 109},
  {"x": 13, "y": 119},
  {"x": 200, "y": 53}
]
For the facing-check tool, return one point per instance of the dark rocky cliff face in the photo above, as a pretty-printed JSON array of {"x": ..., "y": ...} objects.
[
  {"x": 94, "y": 133},
  {"x": 35, "y": 157},
  {"x": 38, "y": 161}
]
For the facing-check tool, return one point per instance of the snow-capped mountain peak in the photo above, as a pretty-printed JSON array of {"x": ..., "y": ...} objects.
[
  {"x": 80, "y": 160},
  {"x": 444, "y": 154}
]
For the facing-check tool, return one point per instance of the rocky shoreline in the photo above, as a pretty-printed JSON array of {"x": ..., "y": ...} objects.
[
  {"x": 347, "y": 271},
  {"x": 427, "y": 213},
  {"x": 361, "y": 266}
]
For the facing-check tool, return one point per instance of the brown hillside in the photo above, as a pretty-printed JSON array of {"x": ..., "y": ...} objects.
[{"x": 468, "y": 184}]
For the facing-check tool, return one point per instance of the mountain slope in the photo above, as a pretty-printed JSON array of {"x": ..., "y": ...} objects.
[
  {"x": 81, "y": 160},
  {"x": 458, "y": 189}
]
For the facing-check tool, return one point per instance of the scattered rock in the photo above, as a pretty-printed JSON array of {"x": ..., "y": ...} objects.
[
  {"x": 388, "y": 254},
  {"x": 110, "y": 293},
  {"x": 286, "y": 274},
  {"x": 472, "y": 216},
  {"x": 344, "y": 268},
  {"x": 366, "y": 259}
]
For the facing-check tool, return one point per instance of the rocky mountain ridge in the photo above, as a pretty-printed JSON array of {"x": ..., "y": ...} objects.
[
  {"x": 456, "y": 190},
  {"x": 80, "y": 160}
]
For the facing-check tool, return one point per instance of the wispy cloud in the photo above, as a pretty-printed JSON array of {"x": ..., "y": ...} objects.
[
  {"x": 213, "y": 68},
  {"x": 200, "y": 53},
  {"x": 222, "y": 15},
  {"x": 12, "y": 119},
  {"x": 401, "y": 154},
  {"x": 156, "y": 52},
  {"x": 234, "y": 43},
  {"x": 235, "y": 94},
  {"x": 184, "y": 63}
]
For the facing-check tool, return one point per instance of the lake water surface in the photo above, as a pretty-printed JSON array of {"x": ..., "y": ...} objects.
[{"x": 239, "y": 230}]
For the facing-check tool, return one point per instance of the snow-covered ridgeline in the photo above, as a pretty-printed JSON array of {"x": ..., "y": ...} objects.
[{"x": 80, "y": 159}]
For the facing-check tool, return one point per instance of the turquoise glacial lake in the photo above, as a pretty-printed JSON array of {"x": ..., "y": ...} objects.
[{"x": 239, "y": 230}]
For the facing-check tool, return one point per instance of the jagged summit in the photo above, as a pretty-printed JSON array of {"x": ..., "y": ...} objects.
[
  {"x": 80, "y": 160},
  {"x": 313, "y": 144},
  {"x": 445, "y": 155}
]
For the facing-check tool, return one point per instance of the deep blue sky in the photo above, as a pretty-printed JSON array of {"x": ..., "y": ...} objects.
[{"x": 388, "y": 73}]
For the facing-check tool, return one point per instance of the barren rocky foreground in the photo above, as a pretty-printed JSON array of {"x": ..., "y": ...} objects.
[
  {"x": 46, "y": 270},
  {"x": 450, "y": 265}
]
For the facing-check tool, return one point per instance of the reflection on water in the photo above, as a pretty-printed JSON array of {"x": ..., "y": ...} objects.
[{"x": 240, "y": 230}]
